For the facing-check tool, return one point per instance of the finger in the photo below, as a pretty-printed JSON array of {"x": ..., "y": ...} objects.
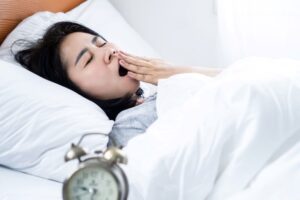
[
  {"x": 132, "y": 67},
  {"x": 139, "y": 77},
  {"x": 142, "y": 77},
  {"x": 135, "y": 60},
  {"x": 134, "y": 56}
]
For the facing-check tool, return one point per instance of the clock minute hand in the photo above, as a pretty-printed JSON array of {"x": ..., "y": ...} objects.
[{"x": 84, "y": 189}]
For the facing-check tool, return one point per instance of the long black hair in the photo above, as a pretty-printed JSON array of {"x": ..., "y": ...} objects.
[{"x": 42, "y": 58}]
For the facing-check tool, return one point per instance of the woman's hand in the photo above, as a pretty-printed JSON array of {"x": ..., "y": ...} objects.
[{"x": 145, "y": 69}]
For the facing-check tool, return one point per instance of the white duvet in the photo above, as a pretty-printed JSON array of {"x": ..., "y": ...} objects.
[{"x": 236, "y": 136}]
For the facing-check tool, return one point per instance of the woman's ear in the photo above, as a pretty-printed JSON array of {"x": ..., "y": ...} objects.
[{"x": 139, "y": 101}]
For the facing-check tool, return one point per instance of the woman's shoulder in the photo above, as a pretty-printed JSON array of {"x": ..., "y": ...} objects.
[{"x": 147, "y": 108}]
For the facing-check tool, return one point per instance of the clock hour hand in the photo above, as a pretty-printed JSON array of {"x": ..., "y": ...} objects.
[{"x": 89, "y": 190}]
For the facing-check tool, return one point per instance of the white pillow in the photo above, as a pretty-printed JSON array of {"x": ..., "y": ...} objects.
[
  {"x": 29, "y": 29},
  {"x": 39, "y": 119}
]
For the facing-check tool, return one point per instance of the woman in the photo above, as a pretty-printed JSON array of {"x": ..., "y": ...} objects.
[{"x": 80, "y": 59}]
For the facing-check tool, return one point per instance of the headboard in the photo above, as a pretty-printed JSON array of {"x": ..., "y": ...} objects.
[{"x": 13, "y": 12}]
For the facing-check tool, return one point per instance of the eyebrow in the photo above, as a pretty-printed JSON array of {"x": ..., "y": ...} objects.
[{"x": 85, "y": 50}]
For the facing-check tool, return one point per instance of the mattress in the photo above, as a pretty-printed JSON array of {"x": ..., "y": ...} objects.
[{"x": 16, "y": 185}]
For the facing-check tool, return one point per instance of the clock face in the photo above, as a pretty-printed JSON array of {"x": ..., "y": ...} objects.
[{"x": 92, "y": 183}]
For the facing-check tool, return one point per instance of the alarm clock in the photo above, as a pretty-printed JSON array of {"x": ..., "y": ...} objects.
[{"x": 98, "y": 177}]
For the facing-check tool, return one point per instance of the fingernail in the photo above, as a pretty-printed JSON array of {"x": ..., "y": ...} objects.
[{"x": 122, "y": 62}]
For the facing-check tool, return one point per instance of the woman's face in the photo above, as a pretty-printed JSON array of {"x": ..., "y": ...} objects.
[{"x": 93, "y": 66}]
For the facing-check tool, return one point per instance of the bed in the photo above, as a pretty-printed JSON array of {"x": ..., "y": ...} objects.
[{"x": 235, "y": 136}]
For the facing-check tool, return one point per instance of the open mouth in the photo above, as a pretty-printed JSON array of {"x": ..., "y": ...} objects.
[{"x": 122, "y": 71}]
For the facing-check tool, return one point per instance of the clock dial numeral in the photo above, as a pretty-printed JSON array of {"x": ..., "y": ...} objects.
[
  {"x": 85, "y": 175},
  {"x": 93, "y": 183},
  {"x": 94, "y": 174},
  {"x": 108, "y": 182},
  {"x": 79, "y": 181},
  {"x": 78, "y": 198}
]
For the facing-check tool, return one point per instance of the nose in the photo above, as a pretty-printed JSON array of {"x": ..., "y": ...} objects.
[{"x": 110, "y": 53}]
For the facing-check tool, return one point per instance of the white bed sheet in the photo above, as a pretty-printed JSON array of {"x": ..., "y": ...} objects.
[
  {"x": 238, "y": 137},
  {"x": 15, "y": 185}
]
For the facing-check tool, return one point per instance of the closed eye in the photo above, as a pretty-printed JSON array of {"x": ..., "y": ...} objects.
[
  {"x": 102, "y": 44},
  {"x": 90, "y": 60},
  {"x": 99, "y": 45}
]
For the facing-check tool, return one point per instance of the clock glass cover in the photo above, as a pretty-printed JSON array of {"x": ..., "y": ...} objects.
[{"x": 92, "y": 183}]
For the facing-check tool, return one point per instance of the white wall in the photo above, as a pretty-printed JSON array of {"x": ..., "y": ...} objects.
[
  {"x": 264, "y": 28},
  {"x": 182, "y": 31}
]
